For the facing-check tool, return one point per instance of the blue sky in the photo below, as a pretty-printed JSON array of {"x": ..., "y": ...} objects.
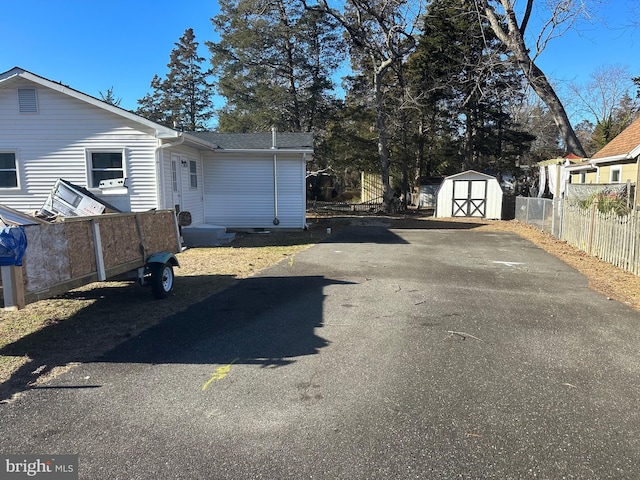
[{"x": 92, "y": 46}]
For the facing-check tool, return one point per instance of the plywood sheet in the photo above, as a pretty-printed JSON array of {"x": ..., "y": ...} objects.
[
  {"x": 62, "y": 253},
  {"x": 120, "y": 240},
  {"x": 47, "y": 256},
  {"x": 82, "y": 259}
]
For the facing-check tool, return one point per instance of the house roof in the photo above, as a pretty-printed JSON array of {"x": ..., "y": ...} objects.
[
  {"x": 161, "y": 132},
  {"x": 15, "y": 73},
  {"x": 624, "y": 146},
  {"x": 302, "y": 142},
  {"x": 257, "y": 141}
]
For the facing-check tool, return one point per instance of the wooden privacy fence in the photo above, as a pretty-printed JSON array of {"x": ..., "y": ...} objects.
[{"x": 608, "y": 236}]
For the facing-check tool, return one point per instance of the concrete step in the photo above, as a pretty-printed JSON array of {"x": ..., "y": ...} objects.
[{"x": 206, "y": 236}]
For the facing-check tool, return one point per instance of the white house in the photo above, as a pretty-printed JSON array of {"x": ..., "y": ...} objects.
[
  {"x": 469, "y": 194},
  {"x": 49, "y": 131}
]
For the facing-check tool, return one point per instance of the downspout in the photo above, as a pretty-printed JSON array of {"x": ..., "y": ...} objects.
[
  {"x": 160, "y": 168},
  {"x": 274, "y": 147}
]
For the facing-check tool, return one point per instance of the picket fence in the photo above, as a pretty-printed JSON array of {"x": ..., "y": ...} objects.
[{"x": 612, "y": 238}]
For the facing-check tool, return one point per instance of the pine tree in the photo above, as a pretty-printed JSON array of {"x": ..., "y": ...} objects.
[
  {"x": 109, "y": 97},
  {"x": 466, "y": 89},
  {"x": 184, "y": 98},
  {"x": 273, "y": 63}
]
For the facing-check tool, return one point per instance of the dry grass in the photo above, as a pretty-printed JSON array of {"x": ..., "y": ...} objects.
[{"x": 41, "y": 340}]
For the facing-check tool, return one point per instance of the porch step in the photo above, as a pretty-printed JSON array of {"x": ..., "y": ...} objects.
[{"x": 206, "y": 236}]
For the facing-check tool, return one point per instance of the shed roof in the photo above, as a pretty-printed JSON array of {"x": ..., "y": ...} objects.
[
  {"x": 625, "y": 144},
  {"x": 472, "y": 173}
]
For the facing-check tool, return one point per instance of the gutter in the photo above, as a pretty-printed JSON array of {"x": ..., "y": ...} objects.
[
  {"x": 301, "y": 151},
  {"x": 274, "y": 147},
  {"x": 614, "y": 158},
  {"x": 160, "y": 169}
]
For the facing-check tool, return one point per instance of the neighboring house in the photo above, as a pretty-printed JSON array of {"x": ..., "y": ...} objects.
[
  {"x": 50, "y": 131},
  {"x": 553, "y": 175},
  {"x": 616, "y": 162}
]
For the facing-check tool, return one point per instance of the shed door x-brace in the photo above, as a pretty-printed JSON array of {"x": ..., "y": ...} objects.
[{"x": 469, "y": 198}]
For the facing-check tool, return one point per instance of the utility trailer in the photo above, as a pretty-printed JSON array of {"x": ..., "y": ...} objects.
[{"x": 75, "y": 251}]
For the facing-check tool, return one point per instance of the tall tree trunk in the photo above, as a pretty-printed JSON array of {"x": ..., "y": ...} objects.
[
  {"x": 383, "y": 148},
  {"x": 513, "y": 39},
  {"x": 547, "y": 94}
]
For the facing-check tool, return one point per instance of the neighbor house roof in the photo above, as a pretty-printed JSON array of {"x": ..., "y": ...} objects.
[
  {"x": 257, "y": 141},
  {"x": 625, "y": 146}
]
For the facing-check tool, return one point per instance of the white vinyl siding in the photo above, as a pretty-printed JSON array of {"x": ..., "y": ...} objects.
[
  {"x": 239, "y": 191},
  {"x": 177, "y": 188},
  {"x": 54, "y": 144}
]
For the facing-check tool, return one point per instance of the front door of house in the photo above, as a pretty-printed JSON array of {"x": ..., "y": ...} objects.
[{"x": 469, "y": 198}]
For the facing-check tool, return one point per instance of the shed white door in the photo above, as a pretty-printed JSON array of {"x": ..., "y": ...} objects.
[{"x": 469, "y": 198}]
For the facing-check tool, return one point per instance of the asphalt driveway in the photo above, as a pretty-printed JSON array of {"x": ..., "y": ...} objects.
[{"x": 378, "y": 354}]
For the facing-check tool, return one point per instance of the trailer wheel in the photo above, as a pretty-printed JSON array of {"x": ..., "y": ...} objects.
[{"x": 161, "y": 280}]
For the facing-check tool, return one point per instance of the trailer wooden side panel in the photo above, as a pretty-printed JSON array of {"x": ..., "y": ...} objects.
[
  {"x": 120, "y": 240},
  {"x": 81, "y": 247},
  {"x": 61, "y": 256}
]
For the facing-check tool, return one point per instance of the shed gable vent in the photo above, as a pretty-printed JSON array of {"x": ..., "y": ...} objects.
[{"x": 27, "y": 100}]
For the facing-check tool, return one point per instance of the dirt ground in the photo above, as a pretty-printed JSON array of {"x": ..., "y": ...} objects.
[{"x": 50, "y": 336}]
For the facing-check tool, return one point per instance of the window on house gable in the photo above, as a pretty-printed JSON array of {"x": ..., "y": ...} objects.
[
  {"x": 27, "y": 100},
  {"x": 8, "y": 170},
  {"x": 193, "y": 173},
  {"x": 105, "y": 165}
]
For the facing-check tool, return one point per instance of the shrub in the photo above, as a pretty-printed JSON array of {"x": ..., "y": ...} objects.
[{"x": 607, "y": 203}]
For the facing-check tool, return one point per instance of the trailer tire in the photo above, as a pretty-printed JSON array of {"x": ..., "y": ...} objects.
[{"x": 161, "y": 280}]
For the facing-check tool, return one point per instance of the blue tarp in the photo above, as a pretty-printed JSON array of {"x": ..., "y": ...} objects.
[{"x": 13, "y": 243}]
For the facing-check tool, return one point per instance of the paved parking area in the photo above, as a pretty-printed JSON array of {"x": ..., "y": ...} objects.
[{"x": 377, "y": 354}]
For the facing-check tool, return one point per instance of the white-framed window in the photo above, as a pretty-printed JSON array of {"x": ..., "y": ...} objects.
[
  {"x": 193, "y": 174},
  {"x": 8, "y": 170},
  {"x": 615, "y": 175},
  {"x": 27, "y": 100},
  {"x": 104, "y": 165},
  {"x": 174, "y": 175}
]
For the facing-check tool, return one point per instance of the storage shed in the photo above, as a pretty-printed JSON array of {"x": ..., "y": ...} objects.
[{"x": 470, "y": 194}]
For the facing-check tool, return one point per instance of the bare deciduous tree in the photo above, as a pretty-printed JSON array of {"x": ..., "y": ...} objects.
[
  {"x": 562, "y": 15},
  {"x": 606, "y": 90},
  {"x": 381, "y": 33}
]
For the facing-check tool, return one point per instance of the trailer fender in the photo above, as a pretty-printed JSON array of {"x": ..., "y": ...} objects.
[{"x": 163, "y": 258}]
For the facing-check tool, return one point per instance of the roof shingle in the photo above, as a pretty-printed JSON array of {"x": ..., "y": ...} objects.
[
  {"x": 260, "y": 141},
  {"x": 623, "y": 144}
]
